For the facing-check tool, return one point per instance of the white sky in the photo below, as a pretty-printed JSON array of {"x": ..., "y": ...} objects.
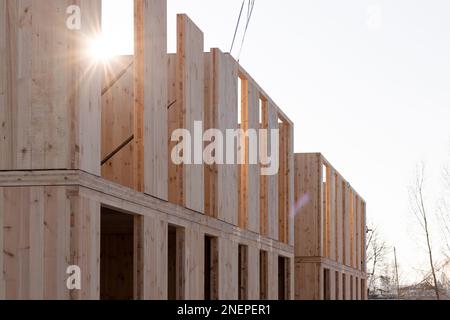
[{"x": 367, "y": 83}]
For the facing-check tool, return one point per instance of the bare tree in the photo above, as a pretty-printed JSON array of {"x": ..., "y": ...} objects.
[
  {"x": 417, "y": 198},
  {"x": 376, "y": 249}
]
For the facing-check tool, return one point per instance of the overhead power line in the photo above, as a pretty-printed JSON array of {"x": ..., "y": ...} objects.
[{"x": 250, "y": 7}]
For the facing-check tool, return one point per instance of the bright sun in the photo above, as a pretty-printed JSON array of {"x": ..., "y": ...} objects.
[{"x": 102, "y": 48}]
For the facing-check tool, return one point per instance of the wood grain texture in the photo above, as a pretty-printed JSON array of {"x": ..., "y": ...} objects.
[
  {"x": 118, "y": 120},
  {"x": 228, "y": 269},
  {"x": 51, "y": 97},
  {"x": 151, "y": 119}
]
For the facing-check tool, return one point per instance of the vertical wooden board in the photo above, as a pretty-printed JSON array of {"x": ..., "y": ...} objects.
[
  {"x": 273, "y": 275},
  {"x": 353, "y": 230},
  {"x": 253, "y": 192},
  {"x": 195, "y": 269},
  {"x": 333, "y": 284},
  {"x": 151, "y": 97},
  {"x": 358, "y": 233},
  {"x": 175, "y": 118},
  {"x": 228, "y": 269},
  {"x": 57, "y": 241},
  {"x": 225, "y": 106},
  {"x": 11, "y": 265},
  {"x": 211, "y": 170},
  {"x": 37, "y": 246},
  {"x": 6, "y": 105},
  {"x": 363, "y": 237},
  {"x": 308, "y": 222},
  {"x": 117, "y": 120},
  {"x": 346, "y": 223},
  {"x": 283, "y": 184},
  {"x": 291, "y": 187},
  {"x": 88, "y": 98},
  {"x": 190, "y": 96},
  {"x": 154, "y": 257},
  {"x": 292, "y": 278},
  {"x": 273, "y": 181},
  {"x": 85, "y": 245},
  {"x": 22, "y": 211},
  {"x": 331, "y": 214},
  {"x": 253, "y": 273},
  {"x": 339, "y": 219},
  {"x": 2, "y": 247},
  {"x": 264, "y": 145}
]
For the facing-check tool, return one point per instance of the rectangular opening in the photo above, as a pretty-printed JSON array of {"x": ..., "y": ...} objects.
[
  {"x": 175, "y": 263},
  {"x": 337, "y": 285},
  {"x": 117, "y": 252},
  {"x": 243, "y": 272},
  {"x": 117, "y": 38},
  {"x": 263, "y": 275},
  {"x": 344, "y": 287},
  {"x": 283, "y": 278},
  {"x": 211, "y": 268},
  {"x": 326, "y": 284}
]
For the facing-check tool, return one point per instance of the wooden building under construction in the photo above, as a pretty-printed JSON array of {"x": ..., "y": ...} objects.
[
  {"x": 87, "y": 178},
  {"x": 330, "y": 237}
]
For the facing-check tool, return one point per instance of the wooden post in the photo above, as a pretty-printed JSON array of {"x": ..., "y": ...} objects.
[{"x": 150, "y": 87}]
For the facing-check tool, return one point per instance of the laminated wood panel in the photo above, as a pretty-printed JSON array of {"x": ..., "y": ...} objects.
[
  {"x": 308, "y": 283},
  {"x": 2, "y": 247},
  {"x": 363, "y": 237},
  {"x": 273, "y": 275},
  {"x": 339, "y": 219},
  {"x": 188, "y": 109},
  {"x": 358, "y": 233},
  {"x": 286, "y": 184},
  {"x": 253, "y": 170},
  {"x": 150, "y": 77},
  {"x": 352, "y": 228},
  {"x": 253, "y": 273},
  {"x": 85, "y": 245},
  {"x": 50, "y": 88},
  {"x": 228, "y": 269},
  {"x": 264, "y": 145},
  {"x": 221, "y": 186},
  {"x": 331, "y": 214},
  {"x": 308, "y": 221},
  {"x": 346, "y": 223},
  {"x": 195, "y": 254},
  {"x": 272, "y": 181},
  {"x": 291, "y": 186},
  {"x": 36, "y": 239},
  {"x": 151, "y": 259},
  {"x": 117, "y": 120}
]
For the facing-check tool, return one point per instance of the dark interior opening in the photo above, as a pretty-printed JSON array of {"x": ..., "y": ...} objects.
[
  {"x": 175, "y": 263},
  {"x": 116, "y": 255},
  {"x": 263, "y": 275},
  {"x": 283, "y": 278},
  {"x": 211, "y": 268},
  {"x": 326, "y": 284}
]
